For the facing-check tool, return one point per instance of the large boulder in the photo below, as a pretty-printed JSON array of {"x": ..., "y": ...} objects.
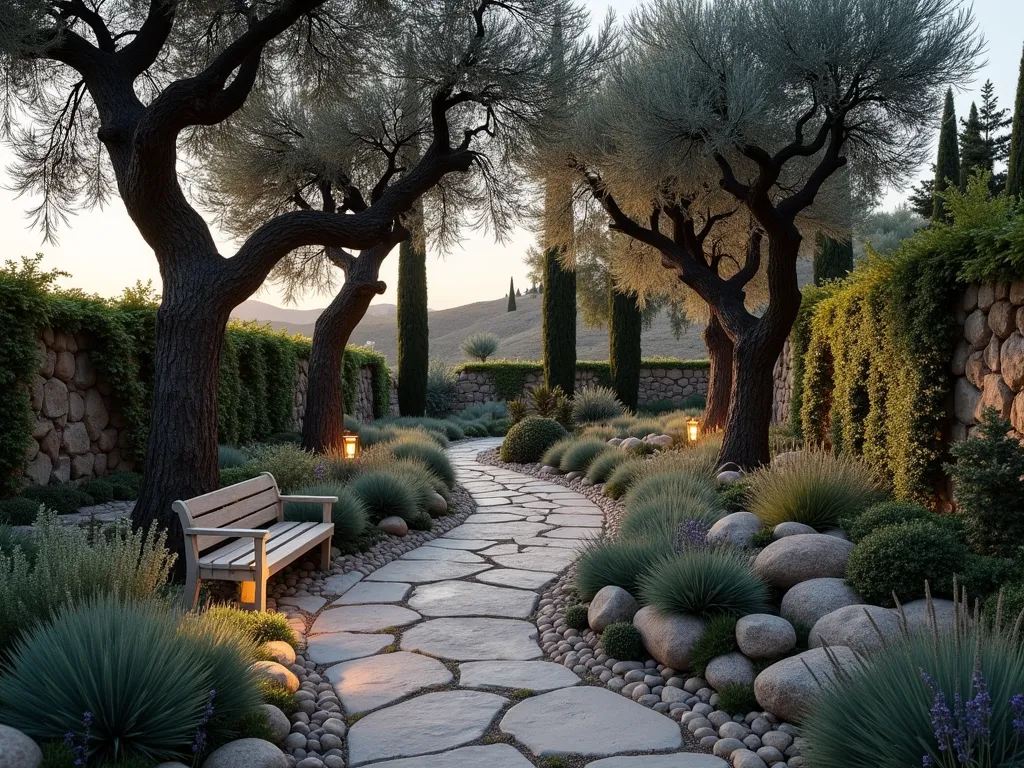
[
  {"x": 278, "y": 722},
  {"x": 669, "y": 639},
  {"x": 794, "y": 559},
  {"x": 966, "y": 397},
  {"x": 763, "y": 636},
  {"x": 976, "y": 329},
  {"x": 728, "y": 669},
  {"x": 788, "y": 687},
  {"x": 737, "y": 529},
  {"x": 995, "y": 394},
  {"x": 394, "y": 525},
  {"x": 1012, "y": 361},
  {"x": 17, "y": 750},
  {"x": 276, "y": 673},
  {"x": 791, "y": 528},
  {"x": 864, "y": 628},
  {"x": 247, "y": 753},
  {"x": 918, "y": 618},
  {"x": 611, "y": 604},
  {"x": 809, "y": 600}
]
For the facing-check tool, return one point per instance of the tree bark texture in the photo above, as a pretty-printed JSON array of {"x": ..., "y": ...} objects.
[
  {"x": 624, "y": 331},
  {"x": 413, "y": 329},
  {"x": 719, "y": 374}
]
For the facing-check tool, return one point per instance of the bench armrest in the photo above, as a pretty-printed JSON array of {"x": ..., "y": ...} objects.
[
  {"x": 252, "y": 533},
  {"x": 314, "y": 499}
]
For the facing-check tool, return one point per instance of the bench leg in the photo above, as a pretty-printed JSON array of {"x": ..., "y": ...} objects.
[
  {"x": 191, "y": 592},
  {"x": 325, "y": 555},
  {"x": 260, "y": 603}
]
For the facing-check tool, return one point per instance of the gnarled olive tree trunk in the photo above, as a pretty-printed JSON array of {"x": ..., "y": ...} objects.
[{"x": 719, "y": 374}]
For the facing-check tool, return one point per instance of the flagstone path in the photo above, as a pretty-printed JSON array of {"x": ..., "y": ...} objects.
[{"x": 432, "y": 651}]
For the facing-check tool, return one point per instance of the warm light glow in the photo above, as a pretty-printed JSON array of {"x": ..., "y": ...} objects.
[
  {"x": 692, "y": 430},
  {"x": 351, "y": 442}
]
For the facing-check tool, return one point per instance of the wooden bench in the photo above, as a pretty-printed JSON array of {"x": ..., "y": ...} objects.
[{"x": 224, "y": 540}]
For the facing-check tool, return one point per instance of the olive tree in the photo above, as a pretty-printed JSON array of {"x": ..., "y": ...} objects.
[
  {"x": 757, "y": 105},
  {"x": 454, "y": 98}
]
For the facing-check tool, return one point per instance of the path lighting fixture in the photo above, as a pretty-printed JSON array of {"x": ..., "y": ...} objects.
[
  {"x": 351, "y": 445},
  {"x": 692, "y": 430}
]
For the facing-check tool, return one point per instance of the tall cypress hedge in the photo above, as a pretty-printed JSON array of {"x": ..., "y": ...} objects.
[
  {"x": 413, "y": 331},
  {"x": 947, "y": 166},
  {"x": 559, "y": 324},
  {"x": 1015, "y": 165},
  {"x": 833, "y": 259},
  {"x": 624, "y": 329}
]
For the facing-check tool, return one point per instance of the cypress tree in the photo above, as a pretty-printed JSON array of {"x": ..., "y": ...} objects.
[
  {"x": 1015, "y": 165},
  {"x": 559, "y": 323},
  {"x": 413, "y": 330},
  {"x": 511, "y": 295},
  {"x": 624, "y": 345},
  {"x": 947, "y": 167},
  {"x": 974, "y": 154},
  {"x": 833, "y": 259}
]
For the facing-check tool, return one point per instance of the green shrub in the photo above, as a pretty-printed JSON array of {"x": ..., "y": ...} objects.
[
  {"x": 578, "y": 457},
  {"x": 887, "y": 513},
  {"x": 275, "y": 693},
  {"x": 984, "y": 576},
  {"x": 694, "y": 402},
  {"x": 372, "y": 435},
  {"x": 291, "y": 466},
  {"x": 235, "y": 475},
  {"x": 421, "y": 521},
  {"x": 820, "y": 490},
  {"x": 230, "y": 457},
  {"x": 624, "y": 474},
  {"x": 68, "y": 569},
  {"x": 144, "y": 673},
  {"x": 576, "y": 617},
  {"x": 553, "y": 456},
  {"x": 717, "y": 639},
  {"x": 594, "y": 404},
  {"x": 447, "y": 427},
  {"x": 430, "y": 455},
  {"x": 295, "y": 438},
  {"x": 986, "y": 476},
  {"x": 18, "y": 511},
  {"x": 901, "y": 558},
  {"x": 526, "y": 442},
  {"x": 473, "y": 428},
  {"x": 492, "y": 411},
  {"x": 499, "y": 428},
  {"x": 737, "y": 698},
  {"x": 704, "y": 582},
  {"x": 385, "y": 494},
  {"x": 660, "y": 516},
  {"x": 672, "y": 484},
  {"x": 99, "y": 490},
  {"x": 254, "y": 725},
  {"x": 423, "y": 483},
  {"x": 732, "y": 497},
  {"x": 126, "y": 485},
  {"x": 480, "y": 346},
  {"x": 442, "y": 389},
  {"x": 348, "y": 513},
  {"x": 258, "y": 627},
  {"x": 620, "y": 562},
  {"x": 12, "y": 537},
  {"x": 603, "y": 464},
  {"x": 62, "y": 499},
  {"x": 882, "y": 712},
  {"x": 622, "y": 641}
]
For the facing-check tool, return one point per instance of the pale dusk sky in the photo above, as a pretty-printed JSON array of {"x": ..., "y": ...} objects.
[{"x": 104, "y": 252}]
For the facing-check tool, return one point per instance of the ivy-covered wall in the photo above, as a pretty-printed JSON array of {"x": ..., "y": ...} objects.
[
  {"x": 880, "y": 359},
  {"x": 77, "y": 371}
]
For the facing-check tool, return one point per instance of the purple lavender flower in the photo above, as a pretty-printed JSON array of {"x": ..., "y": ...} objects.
[
  {"x": 927, "y": 762},
  {"x": 320, "y": 472},
  {"x": 80, "y": 749},
  {"x": 978, "y": 710},
  {"x": 1017, "y": 708},
  {"x": 691, "y": 534},
  {"x": 199, "y": 743}
]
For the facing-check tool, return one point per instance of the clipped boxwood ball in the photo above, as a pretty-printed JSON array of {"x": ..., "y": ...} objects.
[
  {"x": 622, "y": 641},
  {"x": 527, "y": 441},
  {"x": 576, "y": 617}
]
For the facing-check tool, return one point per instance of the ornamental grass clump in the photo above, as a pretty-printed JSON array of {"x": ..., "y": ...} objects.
[
  {"x": 348, "y": 513},
  {"x": 717, "y": 639},
  {"x": 619, "y": 562},
  {"x": 258, "y": 627},
  {"x": 129, "y": 679},
  {"x": 480, "y": 346},
  {"x": 820, "y": 490},
  {"x": 705, "y": 583},
  {"x": 384, "y": 494},
  {"x": 428, "y": 454},
  {"x": 661, "y": 514},
  {"x": 578, "y": 457},
  {"x": 672, "y": 484},
  {"x": 291, "y": 466},
  {"x": 230, "y": 457},
  {"x": 603, "y": 465},
  {"x": 947, "y": 697},
  {"x": 595, "y": 404},
  {"x": 622, "y": 477},
  {"x": 553, "y": 456}
]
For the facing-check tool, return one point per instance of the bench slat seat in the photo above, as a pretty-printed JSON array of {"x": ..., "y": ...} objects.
[{"x": 239, "y": 534}]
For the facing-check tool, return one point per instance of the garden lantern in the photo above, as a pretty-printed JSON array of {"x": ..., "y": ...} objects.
[
  {"x": 692, "y": 430},
  {"x": 350, "y": 444}
]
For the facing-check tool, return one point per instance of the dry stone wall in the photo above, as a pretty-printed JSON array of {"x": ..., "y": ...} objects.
[
  {"x": 79, "y": 431},
  {"x": 988, "y": 362},
  {"x": 782, "y": 378}
]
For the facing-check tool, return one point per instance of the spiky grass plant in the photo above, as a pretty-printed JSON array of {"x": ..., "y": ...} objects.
[
  {"x": 704, "y": 582},
  {"x": 603, "y": 464},
  {"x": 737, "y": 698},
  {"x": 619, "y": 562},
  {"x": 348, "y": 513},
  {"x": 640, "y": 428},
  {"x": 949, "y": 697},
  {"x": 623, "y": 476},
  {"x": 717, "y": 639},
  {"x": 291, "y": 466},
  {"x": 553, "y": 456},
  {"x": 660, "y": 515},
  {"x": 230, "y": 457},
  {"x": 258, "y": 627},
  {"x": 601, "y": 432},
  {"x": 385, "y": 494},
  {"x": 579, "y": 456},
  {"x": 429, "y": 454},
  {"x": 595, "y": 404},
  {"x": 820, "y": 490},
  {"x": 130, "y": 679},
  {"x": 480, "y": 346},
  {"x": 677, "y": 484}
]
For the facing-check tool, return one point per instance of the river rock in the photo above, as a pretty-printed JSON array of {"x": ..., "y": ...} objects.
[
  {"x": 611, "y": 604},
  {"x": 787, "y": 687},
  {"x": 17, "y": 750},
  {"x": 277, "y": 673},
  {"x": 763, "y": 636},
  {"x": 669, "y": 639},
  {"x": 809, "y": 600},
  {"x": 917, "y": 617},
  {"x": 394, "y": 525},
  {"x": 277, "y": 721},
  {"x": 864, "y": 628},
  {"x": 794, "y": 559},
  {"x": 731, "y": 668},
  {"x": 737, "y": 529},
  {"x": 247, "y": 753}
]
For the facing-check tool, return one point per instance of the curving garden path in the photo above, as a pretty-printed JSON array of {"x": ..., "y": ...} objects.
[{"x": 435, "y": 659}]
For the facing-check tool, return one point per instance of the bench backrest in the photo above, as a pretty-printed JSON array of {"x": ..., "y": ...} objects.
[{"x": 249, "y": 504}]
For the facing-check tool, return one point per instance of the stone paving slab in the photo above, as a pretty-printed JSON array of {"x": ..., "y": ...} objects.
[
  {"x": 679, "y": 760},
  {"x": 579, "y": 521},
  {"x": 500, "y": 549},
  {"x": 511, "y": 577},
  {"x": 375, "y": 592},
  {"x": 307, "y": 603},
  {"x": 588, "y": 720},
  {"x": 496, "y": 517},
  {"x": 488, "y": 756},
  {"x": 466, "y": 544},
  {"x": 465, "y": 598},
  {"x": 364, "y": 618},
  {"x": 532, "y": 675},
  {"x": 440, "y": 553},
  {"x": 423, "y": 571},
  {"x": 341, "y": 583},
  {"x": 538, "y": 559},
  {"x": 365, "y": 684},
  {"x": 496, "y": 531},
  {"x": 344, "y": 646},
  {"x": 476, "y": 639},
  {"x": 581, "y": 534},
  {"x": 429, "y": 723}
]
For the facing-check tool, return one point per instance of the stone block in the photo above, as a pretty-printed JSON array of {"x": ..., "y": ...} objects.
[
  {"x": 36, "y": 393},
  {"x": 62, "y": 470},
  {"x": 64, "y": 366},
  {"x": 1017, "y": 292},
  {"x": 76, "y": 407},
  {"x": 1017, "y": 412},
  {"x": 49, "y": 362},
  {"x": 39, "y": 469},
  {"x": 41, "y": 428},
  {"x": 992, "y": 353},
  {"x": 85, "y": 372},
  {"x": 976, "y": 369},
  {"x": 55, "y": 398},
  {"x": 81, "y": 466},
  {"x": 99, "y": 467},
  {"x": 47, "y": 336},
  {"x": 986, "y": 296},
  {"x": 114, "y": 459},
  {"x": 960, "y": 356},
  {"x": 976, "y": 329},
  {"x": 1001, "y": 290},
  {"x": 1011, "y": 361},
  {"x": 50, "y": 444},
  {"x": 1001, "y": 318},
  {"x": 969, "y": 302},
  {"x": 995, "y": 394},
  {"x": 76, "y": 439},
  {"x": 60, "y": 342},
  {"x": 96, "y": 416},
  {"x": 107, "y": 439}
]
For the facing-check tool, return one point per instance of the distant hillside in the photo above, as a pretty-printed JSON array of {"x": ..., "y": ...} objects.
[
  {"x": 268, "y": 313},
  {"x": 519, "y": 331}
]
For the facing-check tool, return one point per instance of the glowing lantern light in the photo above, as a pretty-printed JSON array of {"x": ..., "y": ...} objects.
[
  {"x": 351, "y": 445},
  {"x": 692, "y": 430}
]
